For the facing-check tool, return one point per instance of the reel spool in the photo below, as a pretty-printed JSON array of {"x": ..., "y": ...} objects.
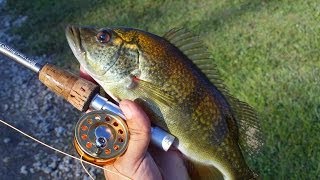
[{"x": 101, "y": 136}]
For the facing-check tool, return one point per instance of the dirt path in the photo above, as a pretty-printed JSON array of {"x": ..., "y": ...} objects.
[{"x": 28, "y": 105}]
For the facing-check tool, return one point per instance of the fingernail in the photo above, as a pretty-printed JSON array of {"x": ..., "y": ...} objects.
[{"x": 126, "y": 110}]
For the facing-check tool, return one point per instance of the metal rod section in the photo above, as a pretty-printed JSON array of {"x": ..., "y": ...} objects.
[{"x": 20, "y": 58}]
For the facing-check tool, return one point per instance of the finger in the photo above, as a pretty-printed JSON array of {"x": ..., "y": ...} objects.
[
  {"x": 139, "y": 128},
  {"x": 170, "y": 163}
]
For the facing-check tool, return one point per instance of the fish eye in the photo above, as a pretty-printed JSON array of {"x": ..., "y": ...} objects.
[{"x": 103, "y": 36}]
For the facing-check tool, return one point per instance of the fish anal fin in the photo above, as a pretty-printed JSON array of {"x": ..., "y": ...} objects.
[{"x": 200, "y": 171}]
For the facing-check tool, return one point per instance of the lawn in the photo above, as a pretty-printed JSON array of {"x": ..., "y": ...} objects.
[{"x": 268, "y": 53}]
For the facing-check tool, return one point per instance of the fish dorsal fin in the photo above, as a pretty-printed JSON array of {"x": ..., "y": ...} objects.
[
  {"x": 250, "y": 135},
  {"x": 191, "y": 46}
]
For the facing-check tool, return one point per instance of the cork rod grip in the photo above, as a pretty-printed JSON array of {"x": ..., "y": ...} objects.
[{"x": 75, "y": 90}]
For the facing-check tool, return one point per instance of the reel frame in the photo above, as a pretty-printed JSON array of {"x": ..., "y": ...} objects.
[{"x": 101, "y": 136}]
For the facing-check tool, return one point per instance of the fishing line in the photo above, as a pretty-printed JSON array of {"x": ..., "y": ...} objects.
[
  {"x": 85, "y": 169},
  {"x": 61, "y": 152}
]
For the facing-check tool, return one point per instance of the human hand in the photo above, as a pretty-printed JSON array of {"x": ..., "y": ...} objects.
[{"x": 137, "y": 162}]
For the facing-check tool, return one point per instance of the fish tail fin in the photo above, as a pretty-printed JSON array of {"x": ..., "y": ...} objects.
[
  {"x": 250, "y": 134},
  {"x": 255, "y": 176},
  {"x": 250, "y": 175}
]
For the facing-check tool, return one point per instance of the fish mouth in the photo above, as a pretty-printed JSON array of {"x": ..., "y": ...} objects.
[{"x": 74, "y": 41}]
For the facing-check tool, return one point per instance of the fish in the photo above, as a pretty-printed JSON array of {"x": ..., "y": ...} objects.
[{"x": 174, "y": 79}]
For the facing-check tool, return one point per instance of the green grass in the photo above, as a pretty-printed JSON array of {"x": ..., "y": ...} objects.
[{"x": 268, "y": 53}]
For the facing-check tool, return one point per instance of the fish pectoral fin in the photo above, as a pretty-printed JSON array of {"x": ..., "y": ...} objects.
[
  {"x": 200, "y": 171},
  {"x": 159, "y": 95}
]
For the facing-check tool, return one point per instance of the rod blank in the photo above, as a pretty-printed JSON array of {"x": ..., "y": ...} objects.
[{"x": 20, "y": 58}]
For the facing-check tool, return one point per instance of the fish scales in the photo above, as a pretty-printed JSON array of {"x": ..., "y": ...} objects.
[{"x": 176, "y": 94}]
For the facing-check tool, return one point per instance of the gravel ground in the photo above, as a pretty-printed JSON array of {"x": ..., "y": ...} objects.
[{"x": 31, "y": 107}]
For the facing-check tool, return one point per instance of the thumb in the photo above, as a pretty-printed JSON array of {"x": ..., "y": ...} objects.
[{"x": 140, "y": 133}]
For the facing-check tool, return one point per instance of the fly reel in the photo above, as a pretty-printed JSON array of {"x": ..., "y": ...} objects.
[{"x": 101, "y": 136}]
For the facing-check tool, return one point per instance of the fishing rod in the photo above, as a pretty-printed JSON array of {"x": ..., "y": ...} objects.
[{"x": 100, "y": 135}]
